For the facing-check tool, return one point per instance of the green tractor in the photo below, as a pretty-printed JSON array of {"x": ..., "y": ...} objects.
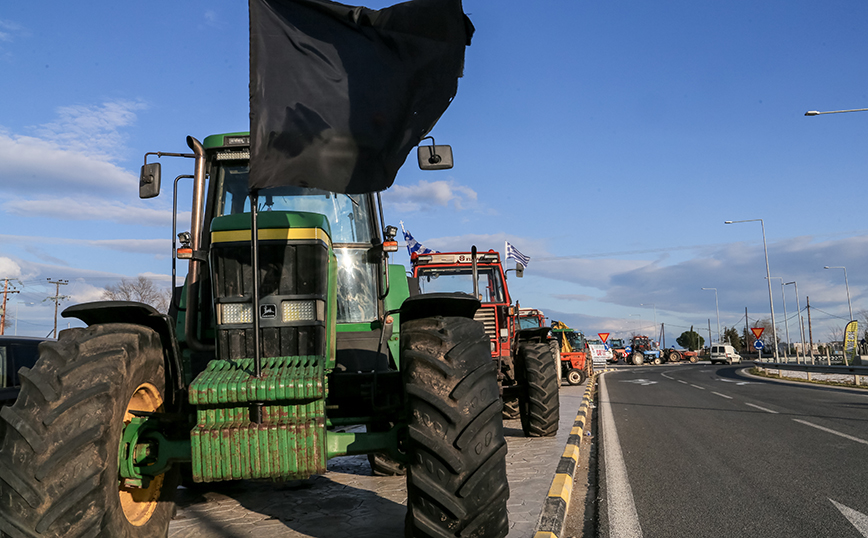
[{"x": 271, "y": 348}]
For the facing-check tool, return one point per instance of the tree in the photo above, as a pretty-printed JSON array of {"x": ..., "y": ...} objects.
[
  {"x": 690, "y": 340},
  {"x": 730, "y": 334},
  {"x": 140, "y": 290}
]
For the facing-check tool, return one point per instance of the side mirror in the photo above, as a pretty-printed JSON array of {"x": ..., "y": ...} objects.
[
  {"x": 519, "y": 270},
  {"x": 149, "y": 180},
  {"x": 435, "y": 157}
]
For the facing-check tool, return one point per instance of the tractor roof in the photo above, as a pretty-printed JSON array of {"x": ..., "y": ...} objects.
[{"x": 491, "y": 257}]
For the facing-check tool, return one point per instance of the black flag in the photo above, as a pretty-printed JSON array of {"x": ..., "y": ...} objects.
[{"x": 339, "y": 95}]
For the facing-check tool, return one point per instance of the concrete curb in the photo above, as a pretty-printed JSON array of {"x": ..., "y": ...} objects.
[{"x": 557, "y": 503}]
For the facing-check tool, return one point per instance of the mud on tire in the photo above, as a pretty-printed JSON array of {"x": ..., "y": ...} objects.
[
  {"x": 539, "y": 402},
  {"x": 456, "y": 480},
  {"x": 59, "y": 457}
]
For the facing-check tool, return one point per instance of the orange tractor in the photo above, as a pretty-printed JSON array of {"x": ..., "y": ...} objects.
[{"x": 575, "y": 364}]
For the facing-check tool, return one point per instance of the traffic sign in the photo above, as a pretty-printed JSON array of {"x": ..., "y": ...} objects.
[
  {"x": 757, "y": 331},
  {"x": 603, "y": 336},
  {"x": 758, "y": 344}
]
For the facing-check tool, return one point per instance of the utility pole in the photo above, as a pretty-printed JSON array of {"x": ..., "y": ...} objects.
[
  {"x": 6, "y": 291},
  {"x": 810, "y": 330},
  {"x": 709, "y": 337},
  {"x": 57, "y": 298}
]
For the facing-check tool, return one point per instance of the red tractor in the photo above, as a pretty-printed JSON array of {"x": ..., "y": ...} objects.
[{"x": 528, "y": 378}]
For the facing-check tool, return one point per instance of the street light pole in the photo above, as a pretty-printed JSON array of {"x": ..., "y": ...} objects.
[
  {"x": 786, "y": 321},
  {"x": 816, "y": 113},
  {"x": 768, "y": 280},
  {"x": 717, "y": 308},
  {"x": 847, "y": 284},
  {"x": 801, "y": 325}
]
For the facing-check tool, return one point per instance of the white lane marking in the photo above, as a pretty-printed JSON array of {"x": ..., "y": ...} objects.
[
  {"x": 828, "y": 430},
  {"x": 667, "y": 377},
  {"x": 680, "y": 380},
  {"x": 697, "y": 387},
  {"x": 762, "y": 408},
  {"x": 642, "y": 382},
  {"x": 722, "y": 395},
  {"x": 736, "y": 382},
  {"x": 623, "y": 518},
  {"x": 858, "y": 519}
]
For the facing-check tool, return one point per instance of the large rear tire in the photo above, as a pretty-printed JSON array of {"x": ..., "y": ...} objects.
[
  {"x": 59, "y": 458},
  {"x": 638, "y": 358},
  {"x": 456, "y": 479},
  {"x": 539, "y": 402}
]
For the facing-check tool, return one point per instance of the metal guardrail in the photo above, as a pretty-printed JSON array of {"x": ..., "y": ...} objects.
[{"x": 814, "y": 368}]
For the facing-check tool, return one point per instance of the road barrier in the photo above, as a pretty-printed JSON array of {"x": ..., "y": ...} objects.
[{"x": 855, "y": 371}]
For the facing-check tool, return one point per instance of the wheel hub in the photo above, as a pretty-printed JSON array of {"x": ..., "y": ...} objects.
[{"x": 137, "y": 503}]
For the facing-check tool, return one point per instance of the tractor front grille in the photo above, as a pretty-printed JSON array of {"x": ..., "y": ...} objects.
[
  {"x": 488, "y": 316},
  {"x": 296, "y": 270}
]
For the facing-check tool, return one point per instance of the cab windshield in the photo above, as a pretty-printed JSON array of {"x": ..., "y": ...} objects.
[
  {"x": 529, "y": 322},
  {"x": 349, "y": 215},
  {"x": 452, "y": 279}
]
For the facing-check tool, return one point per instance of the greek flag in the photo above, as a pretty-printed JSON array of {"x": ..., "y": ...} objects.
[
  {"x": 513, "y": 253},
  {"x": 413, "y": 246}
]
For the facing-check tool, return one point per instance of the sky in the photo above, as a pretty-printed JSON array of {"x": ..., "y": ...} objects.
[{"x": 608, "y": 141}]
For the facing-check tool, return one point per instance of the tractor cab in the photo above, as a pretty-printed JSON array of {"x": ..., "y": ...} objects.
[
  {"x": 453, "y": 272},
  {"x": 530, "y": 318}
]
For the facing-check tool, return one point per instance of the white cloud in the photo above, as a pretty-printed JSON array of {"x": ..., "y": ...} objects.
[
  {"x": 92, "y": 131},
  {"x": 9, "y": 30},
  {"x": 82, "y": 292},
  {"x": 74, "y": 209},
  {"x": 75, "y": 153},
  {"x": 9, "y": 268},
  {"x": 425, "y": 195},
  {"x": 157, "y": 247},
  {"x": 32, "y": 165}
]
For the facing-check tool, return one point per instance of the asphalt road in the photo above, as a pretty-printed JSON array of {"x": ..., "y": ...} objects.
[{"x": 700, "y": 450}]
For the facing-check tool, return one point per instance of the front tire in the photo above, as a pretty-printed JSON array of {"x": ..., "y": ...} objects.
[
  {"x": 539, "y": 401},
  {"x": 575, "y": 377},
  {"x": 59, "y": 459},
  {"x": 456, "y": 479},
  {"x": 556, "y": 354}
]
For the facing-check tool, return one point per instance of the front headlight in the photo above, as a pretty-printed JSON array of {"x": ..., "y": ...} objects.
[
  {"x": 298, "y": 311},
  {"x": 231, "y": 313}
]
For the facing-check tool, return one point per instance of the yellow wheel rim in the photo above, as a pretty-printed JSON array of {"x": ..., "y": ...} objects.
[{"x": 139, "y": 504}]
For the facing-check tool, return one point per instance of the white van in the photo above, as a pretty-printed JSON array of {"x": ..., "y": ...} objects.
[{"x": 724, "y": 354}]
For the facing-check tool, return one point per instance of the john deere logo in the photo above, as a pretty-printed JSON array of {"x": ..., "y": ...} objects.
[{"x": 267, "y": 311}]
